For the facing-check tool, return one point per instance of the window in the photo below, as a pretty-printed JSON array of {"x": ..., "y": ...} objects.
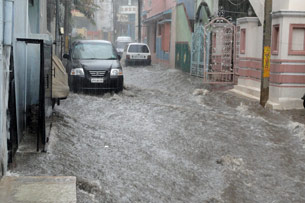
[
  {"x": 243, "y": 41},
  {"x": 275, "y": 39},
  {"x": 297, "y": 39},
  {"x": 138, "y": 49}
]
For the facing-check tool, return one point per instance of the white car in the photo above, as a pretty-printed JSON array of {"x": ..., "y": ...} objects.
[
  {"x": 137, "y": 53},
  {"x": 121, "y": 42}
]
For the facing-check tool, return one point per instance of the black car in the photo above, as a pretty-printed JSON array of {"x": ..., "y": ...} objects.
[{"x": 94, "y": 65}]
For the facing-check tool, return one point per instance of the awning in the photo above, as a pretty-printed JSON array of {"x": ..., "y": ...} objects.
[
  {"x": 165, "y": 21},
  {"x": 165, "y": 15}
]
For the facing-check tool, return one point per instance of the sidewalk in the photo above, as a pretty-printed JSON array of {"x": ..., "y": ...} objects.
[{"x": 29, "y": 189}]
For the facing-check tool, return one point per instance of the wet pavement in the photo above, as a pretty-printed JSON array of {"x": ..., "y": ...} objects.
[{"x": 170, "y": 138}]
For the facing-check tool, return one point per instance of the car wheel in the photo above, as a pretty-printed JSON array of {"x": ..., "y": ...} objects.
[
  {"x": 53, "y": 103},
  {"x": 304, "y": 103},
  {"x": 119, "y": 89},
  {"x": 74, "y": 89}
]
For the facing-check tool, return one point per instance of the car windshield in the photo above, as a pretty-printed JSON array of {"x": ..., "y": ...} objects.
[
  {"x": 138, "y": 49},
  {"x": 87, "y": 51},
  {"x": 121, "y": 45}
]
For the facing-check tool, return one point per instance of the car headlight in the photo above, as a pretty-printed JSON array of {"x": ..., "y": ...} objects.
[
  {"x": 78, "y": 71},
  {"x": 116, "y": 72}
]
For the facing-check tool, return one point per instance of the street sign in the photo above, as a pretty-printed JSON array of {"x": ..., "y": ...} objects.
[
  {"x": 128, "y": 9},
  {"x": 267, "y": 55},
  {"x": 122, "y": 18}
]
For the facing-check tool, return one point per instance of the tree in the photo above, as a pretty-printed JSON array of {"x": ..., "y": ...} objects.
[{"x": 87, "y": 7}]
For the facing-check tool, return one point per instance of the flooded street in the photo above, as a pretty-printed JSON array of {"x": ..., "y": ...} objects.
[{"x": 170, "y": 138}]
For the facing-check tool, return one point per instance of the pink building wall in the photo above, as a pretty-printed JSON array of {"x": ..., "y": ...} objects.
[
  {"x": 154, "y": 7},
  {"x": 157, "y": 32},
  {"x": 287, "y": 71}
]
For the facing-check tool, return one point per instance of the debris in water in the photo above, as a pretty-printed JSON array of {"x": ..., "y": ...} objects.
[{"x": 198, "y": 92}]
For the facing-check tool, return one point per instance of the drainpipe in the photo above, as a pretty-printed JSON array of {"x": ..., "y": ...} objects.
[{"x": 139, "y": 20}]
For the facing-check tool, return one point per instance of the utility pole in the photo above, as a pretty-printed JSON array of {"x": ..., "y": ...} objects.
[
  {"x": 57, "y": 37},
  {"x": 113, "y": 21},
  {"x": 67, "y": 24},
  {"x": 139, "y": 20},
  {"x": 266, "y": 54}
]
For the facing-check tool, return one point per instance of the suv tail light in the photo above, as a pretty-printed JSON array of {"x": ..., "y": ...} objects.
[{"x": 127, "y": 56}]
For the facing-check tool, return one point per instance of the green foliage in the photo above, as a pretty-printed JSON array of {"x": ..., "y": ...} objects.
[{"x": 87, "y": 7}]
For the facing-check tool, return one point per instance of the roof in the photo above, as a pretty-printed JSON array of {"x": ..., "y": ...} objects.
[{"x": 136, "y": 43}]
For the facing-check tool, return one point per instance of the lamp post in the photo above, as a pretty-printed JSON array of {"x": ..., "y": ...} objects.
[
  {"x": 139, "y": 20},
  {"x": 113, "y": 21}
]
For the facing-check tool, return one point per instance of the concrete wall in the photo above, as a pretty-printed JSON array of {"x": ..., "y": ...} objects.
[
  {"x": 287, "y": 72},
  {"x": 173, "y": 38},
  {"x": 287, "y": 77},
  {"x": 157, "y": 6},
  {"x": 190, "y": 8},
  {"x": 253, "y": 31},
  {"x": 280, "y": 5},
  {"x": 5, "y": 53},
  {"x": 249, "y": 63},
  {"x": 183, "y": 39},
  {"x": 21, "y": 30},
  {"x": 295, "y": 5},
  {"x": 285, "y": 23}
]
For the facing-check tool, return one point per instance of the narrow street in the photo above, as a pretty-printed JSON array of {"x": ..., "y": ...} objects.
[{"x": 170, "y": 138}]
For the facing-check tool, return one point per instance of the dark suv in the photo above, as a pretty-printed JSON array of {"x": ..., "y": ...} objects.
[{"x": 94, "y": 65}]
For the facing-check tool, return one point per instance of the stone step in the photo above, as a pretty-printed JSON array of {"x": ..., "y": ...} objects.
[
  {"x": 247, "y": 91},
  {"x": 37, "y": 189}
]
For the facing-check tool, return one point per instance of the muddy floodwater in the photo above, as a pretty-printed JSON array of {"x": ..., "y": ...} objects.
[{"x": 170, "y": 138}]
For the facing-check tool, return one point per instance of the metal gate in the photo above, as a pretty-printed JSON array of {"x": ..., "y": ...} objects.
[
  {"x": 213, "y": 51},
  {"x": 197, "y": 55}
]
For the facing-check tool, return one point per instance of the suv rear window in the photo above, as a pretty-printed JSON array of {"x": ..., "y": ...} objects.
[{"x": 138, "y": 49}]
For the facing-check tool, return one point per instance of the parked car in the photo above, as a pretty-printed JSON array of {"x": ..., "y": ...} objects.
[
  {"x": 94, "y": 65},
  {"x": 303, "y": 100},
  {"x": 137, "y": 53},
  {"x": 121, "y": 43}
]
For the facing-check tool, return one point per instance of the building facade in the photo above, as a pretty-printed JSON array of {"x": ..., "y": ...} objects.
[
  {"x": 126, "y": 19},
  {"x": 185, "y": 15},
  {"x": 159, "y": 29},
  {"x": 5, "y": 52},
  {"x": 287, "y": 73},
  {"x": 19, "y": 68}
]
